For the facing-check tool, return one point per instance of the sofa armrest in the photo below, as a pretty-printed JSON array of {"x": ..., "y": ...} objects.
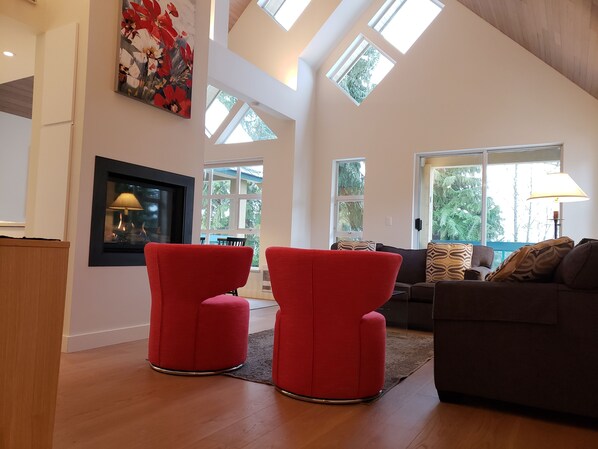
[{"x": 476, "y": 273}]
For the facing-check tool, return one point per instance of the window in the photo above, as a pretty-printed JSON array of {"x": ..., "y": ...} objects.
[
  {"x": 218, "y": 106},
  {"x": 285, "y": 12},
  {"x": 402, "y": 22},
  {"x": 249, "y": 128},
  {"x": 361, "y": 68},
  {"x": 232, "y": 204},
  {"x": 481, "y": 197},
  {"x": 348, "y": 199}
]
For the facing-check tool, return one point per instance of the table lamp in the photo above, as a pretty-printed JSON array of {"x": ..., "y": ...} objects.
[{"x": 125, "y": 202}]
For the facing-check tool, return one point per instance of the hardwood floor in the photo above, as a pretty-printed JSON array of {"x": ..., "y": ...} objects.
[{"x": 110, "y": 398}]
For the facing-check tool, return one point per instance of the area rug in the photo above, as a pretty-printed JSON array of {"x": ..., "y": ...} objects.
[{"x": 405, "y": 353}]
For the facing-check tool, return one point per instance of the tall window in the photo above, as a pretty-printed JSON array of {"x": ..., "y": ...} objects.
[
  {"x": 481, "y": 197},
  {"x": 232, "y": 204},
  {"x": 348, "y": 199}
]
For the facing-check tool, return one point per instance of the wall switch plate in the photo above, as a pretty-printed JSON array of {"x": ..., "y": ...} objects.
[{"x": 388, "y": 221}]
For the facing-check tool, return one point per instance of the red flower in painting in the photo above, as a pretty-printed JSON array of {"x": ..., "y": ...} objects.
[
  {"x": 175, "y": 100},
  {"x": 172, "y": 10},
  {"x": 129, "y": 24},
  {"x": 159, "y": 25},
  {"x": 164, "y": 66}
]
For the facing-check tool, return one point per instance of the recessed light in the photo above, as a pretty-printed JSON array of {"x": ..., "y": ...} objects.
[{"x": 10, "y": 54}]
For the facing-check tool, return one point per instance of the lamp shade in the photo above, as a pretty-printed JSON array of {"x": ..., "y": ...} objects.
[
  {"x": 558, "y": 187},
  {"x": 126, "y": 201}
]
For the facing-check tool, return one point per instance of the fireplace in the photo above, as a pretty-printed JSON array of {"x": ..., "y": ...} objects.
[{"x": 134, "y": 205}]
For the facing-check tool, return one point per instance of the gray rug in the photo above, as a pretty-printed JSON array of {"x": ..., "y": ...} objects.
[{"x": 405, "y": 353}]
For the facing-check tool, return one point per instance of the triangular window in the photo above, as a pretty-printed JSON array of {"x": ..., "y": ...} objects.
[
  {"x": 250, "y": 128},
  {"x": 218, "y": 106}
]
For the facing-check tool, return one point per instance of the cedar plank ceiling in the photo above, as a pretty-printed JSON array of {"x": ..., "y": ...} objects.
[{"x": 562, "y": 33}]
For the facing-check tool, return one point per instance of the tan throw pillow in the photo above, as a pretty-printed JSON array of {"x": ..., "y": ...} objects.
[
  {"x": 533, "y": 262},
  {"x": 447, "y": 261},
  {"x": 355, "y": 245}
]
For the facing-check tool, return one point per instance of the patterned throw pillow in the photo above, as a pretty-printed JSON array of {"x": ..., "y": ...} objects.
[
  {"x": 447, "y": 261},
  {"x": 355, "y": 245},
  {"x": 533, "y": 262}
]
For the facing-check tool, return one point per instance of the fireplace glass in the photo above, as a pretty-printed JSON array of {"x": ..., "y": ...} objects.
[{"x": 134, "y": 205}]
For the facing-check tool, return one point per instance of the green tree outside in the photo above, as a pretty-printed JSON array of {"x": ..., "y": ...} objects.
[
  {"x": 457, "y": 206},
  {"x": 358, "y": 80}
]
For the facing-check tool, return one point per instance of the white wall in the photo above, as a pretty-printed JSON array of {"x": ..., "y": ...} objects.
[
  {"x": 111, "y": 304},
  {"x": 259, "y": 39},
  {"x": 14, "y": 156},
  {"x": 462, "y": 85}
]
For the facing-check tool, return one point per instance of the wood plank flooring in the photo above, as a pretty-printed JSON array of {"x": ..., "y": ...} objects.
[{"x": 110, "y": 398}]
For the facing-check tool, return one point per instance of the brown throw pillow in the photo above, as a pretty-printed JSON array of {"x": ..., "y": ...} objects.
[
  {"x": 447, "y": 261},
  {"x": 533, "y": 262},
  {"x": 355, "y": 245}
]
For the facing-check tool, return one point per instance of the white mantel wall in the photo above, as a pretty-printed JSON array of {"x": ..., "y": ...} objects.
[
  {"x": 111, "y": 304},
  {"x": 462, "y": 85}
]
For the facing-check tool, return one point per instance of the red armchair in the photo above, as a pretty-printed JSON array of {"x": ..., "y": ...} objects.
[
  {"x": 329, "y": 343},
  {"x": 195, "y": 328}
]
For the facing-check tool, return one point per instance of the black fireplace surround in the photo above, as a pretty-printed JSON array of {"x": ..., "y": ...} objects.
[{"x": 163, "y": 211}]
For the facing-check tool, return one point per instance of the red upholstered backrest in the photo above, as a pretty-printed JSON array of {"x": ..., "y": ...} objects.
[
  {"x": 323, "y": 296},
  {"x": 182, "y": 276},
  {"x": 341, "y": 284},
  {"x": 196, "y": 272}
]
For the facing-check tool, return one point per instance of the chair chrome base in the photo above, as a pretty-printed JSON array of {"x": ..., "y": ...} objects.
[
  {"x": 328, "y": 401},
  {"x": 193, "y": 373}
]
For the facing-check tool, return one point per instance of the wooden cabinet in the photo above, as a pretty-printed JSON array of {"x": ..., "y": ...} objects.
[{"x": 32, "y": 297}]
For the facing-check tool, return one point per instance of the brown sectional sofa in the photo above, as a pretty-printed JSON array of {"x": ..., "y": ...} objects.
[
  {"x": 411, "y": 304},
  {"x": 532, "y": 344}
]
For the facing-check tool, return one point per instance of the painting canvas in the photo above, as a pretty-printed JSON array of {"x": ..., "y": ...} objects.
[{"x": 155, "y": 54}]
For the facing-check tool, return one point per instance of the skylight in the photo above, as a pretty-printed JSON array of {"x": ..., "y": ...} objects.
[
  {"x": 285, "y": 12},
  {"x": 402, "y": 22},
  {"x": 250, "y": 128},
  {"x": 218, "y": 106},
  {"x": 361, "y": 68}
]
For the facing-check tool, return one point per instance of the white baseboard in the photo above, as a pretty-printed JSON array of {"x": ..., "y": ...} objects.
[{"x": 81, "y": 342}]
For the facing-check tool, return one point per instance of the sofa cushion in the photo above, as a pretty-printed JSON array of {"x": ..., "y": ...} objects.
[
  {"x": 413, "y": 268},
  {"x": 357, "y": 245},
  {"x": 579, "y": 267},
  {"x": 447, "y": 261},
  {"x": 482, "y": 256},
  {"x": 533, "y": 262}
]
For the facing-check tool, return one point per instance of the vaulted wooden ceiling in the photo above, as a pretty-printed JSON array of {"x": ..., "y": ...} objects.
[{"x": 562, "y": 33}]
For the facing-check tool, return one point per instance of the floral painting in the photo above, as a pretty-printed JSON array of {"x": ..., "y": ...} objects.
[{"x": 156, "y": 53}]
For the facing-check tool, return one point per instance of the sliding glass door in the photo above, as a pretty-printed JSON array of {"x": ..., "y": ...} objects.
[{"x": 481, "y": 197}]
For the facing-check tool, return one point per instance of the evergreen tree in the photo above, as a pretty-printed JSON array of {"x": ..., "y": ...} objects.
[{"x": 457, "y": 206}]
